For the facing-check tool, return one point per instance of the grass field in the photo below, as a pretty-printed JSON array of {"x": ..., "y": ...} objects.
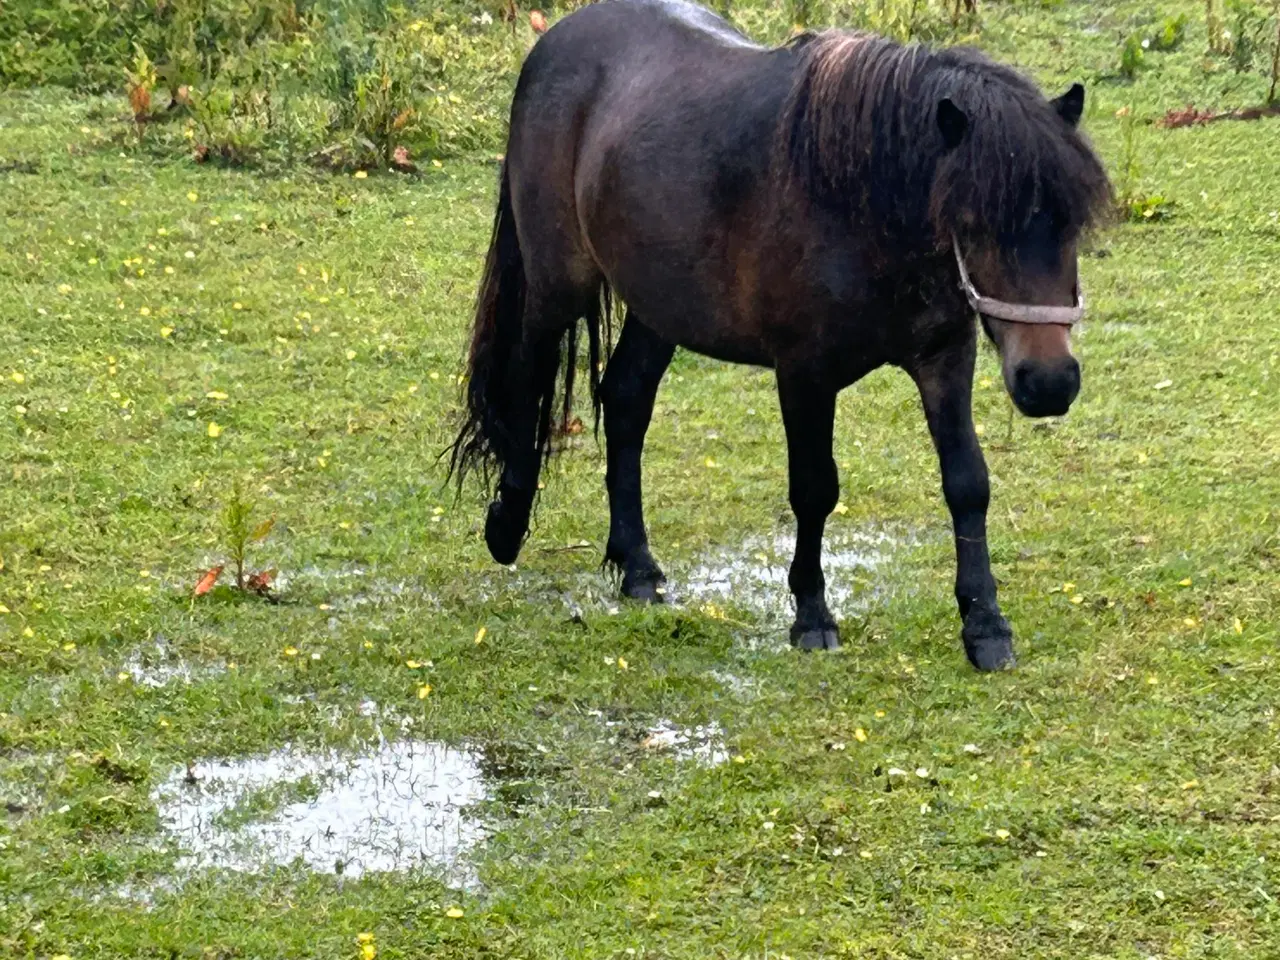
[{"x": 172, "y": 333}]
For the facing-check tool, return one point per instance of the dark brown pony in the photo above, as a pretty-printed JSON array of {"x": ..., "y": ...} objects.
[{"x": 806, "y": 208}]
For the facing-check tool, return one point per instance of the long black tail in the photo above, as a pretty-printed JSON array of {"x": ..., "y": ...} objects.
[{"x": 485, "y": 440}]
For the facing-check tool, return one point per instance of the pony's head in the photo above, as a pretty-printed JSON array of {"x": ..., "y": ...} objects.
[
  {"x": 1016, "y": 188},
  {"x": 950, "y": 152}
]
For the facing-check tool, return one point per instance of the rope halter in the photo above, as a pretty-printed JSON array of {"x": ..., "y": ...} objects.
[{"x": 1016, "y": 312}]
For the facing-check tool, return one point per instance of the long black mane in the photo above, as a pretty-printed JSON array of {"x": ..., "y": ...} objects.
[{"x": 860, "y": 134}]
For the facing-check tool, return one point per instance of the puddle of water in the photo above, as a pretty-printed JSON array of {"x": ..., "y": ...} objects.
[
  {"x": 158, "y": 666},
  {"x": 745, "y": 688},
  {"x": 704, "y": 744},
  {"x": 397, "y": 807},
  {"x": 352, "y": 588},
  {"x": 754, "y": 576}
]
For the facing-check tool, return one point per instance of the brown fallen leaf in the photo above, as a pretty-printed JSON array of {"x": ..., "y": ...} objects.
[
  {"x": 260, "y": 582},
  {"x": 537, "y": 21},
  {"x": 207, "y": 580}
]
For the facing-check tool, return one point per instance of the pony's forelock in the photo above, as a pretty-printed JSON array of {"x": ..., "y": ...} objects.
[{"x": 860, "y": 134}]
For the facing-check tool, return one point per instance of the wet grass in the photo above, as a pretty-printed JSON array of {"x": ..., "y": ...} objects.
[{"x": 1116, "y": 796}]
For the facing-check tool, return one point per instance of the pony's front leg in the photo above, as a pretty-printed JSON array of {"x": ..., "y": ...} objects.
[
  {"x": 808, "y": 415},
  {"x": 946, "y": 390}
]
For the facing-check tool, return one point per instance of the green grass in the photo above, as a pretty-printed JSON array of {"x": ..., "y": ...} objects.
[{"x": 1130, "y": 758}]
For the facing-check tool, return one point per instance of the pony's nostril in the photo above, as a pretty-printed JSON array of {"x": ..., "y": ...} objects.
[
  {"x": 1022, "y": 377},
  {"x": 1071, "y": 378}
]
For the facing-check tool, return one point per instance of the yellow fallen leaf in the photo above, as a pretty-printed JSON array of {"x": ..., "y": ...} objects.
[
  {"x": 215, "y": 395},
  {"x": 1003, "y": 834},
  {"x": 193, "y": 196},
  {"x": 1185, "y": 582},
  {"x": 622, "y": 663},
  {"x": 840, "y": 508},
  {"x": 214, "y": 430},
  {"x": 480, "y": 634},
  {"x": 424, "y": 691},
  {"x": 166, "y": 332},
  {"x": 860, "y": 735},
  {"x": 360, "y": 174},
  {"x": 1237, "y": 625},
  {"x": 454, "y": 913},
  {"x": 290, "y": 651}
]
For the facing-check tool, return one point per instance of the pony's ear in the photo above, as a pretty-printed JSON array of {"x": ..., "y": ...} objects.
[
  {"x": 1070, "y": 105},
  {"x": 952, "y": 122}
]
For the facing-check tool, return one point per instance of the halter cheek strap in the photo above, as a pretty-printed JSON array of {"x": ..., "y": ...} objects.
[{"x": 1016, "y": 312}]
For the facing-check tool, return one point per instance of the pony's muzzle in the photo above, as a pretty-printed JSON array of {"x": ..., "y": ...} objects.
[{"x": 1041, "y": 388}]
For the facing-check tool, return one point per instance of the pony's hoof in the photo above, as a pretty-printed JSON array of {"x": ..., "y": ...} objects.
[
  {"x": 503, "y": 537},
  {"x": 645, "y": 590},
  {"x": 815, "y": 638},
  {"x": 988, "y": 640}
]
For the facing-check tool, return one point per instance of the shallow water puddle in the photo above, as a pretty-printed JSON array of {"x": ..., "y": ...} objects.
[
  {"x": 704, "y": 744},
  {"x": 158, "y": 666},
  {"x": 396, "y": 807},
  {"x": 352, "y": 588},
  {"x": 754, "y": 576}
]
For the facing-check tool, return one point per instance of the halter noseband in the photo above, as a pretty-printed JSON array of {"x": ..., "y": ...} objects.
[{"x": 1016, "y": 312}]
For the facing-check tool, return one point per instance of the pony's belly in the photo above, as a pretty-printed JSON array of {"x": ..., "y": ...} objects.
[{"x": 682, "y": 314}]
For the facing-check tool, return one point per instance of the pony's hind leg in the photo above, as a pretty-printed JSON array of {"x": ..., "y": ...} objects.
[
  {"x": 630, "y": 387},
  {"x": 808, "y": 415},
  {"x": 529, "y": 393}
]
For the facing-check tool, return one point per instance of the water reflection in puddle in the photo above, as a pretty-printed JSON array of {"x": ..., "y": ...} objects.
[
  {"x": 399, "y": 806},
  {"x": 754, "y": 576},
  {"x": 703, "y": 744},
  {"x": 158, "y": 666}
]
